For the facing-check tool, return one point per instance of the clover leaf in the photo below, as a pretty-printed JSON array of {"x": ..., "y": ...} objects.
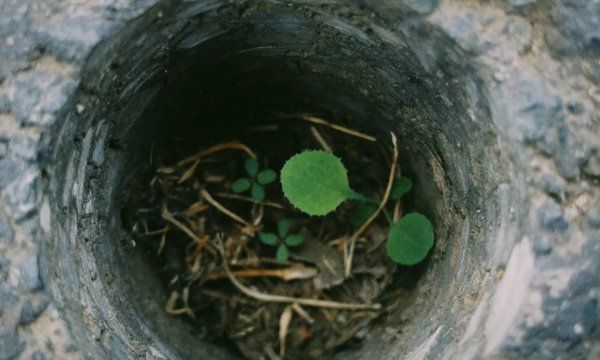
[
  {"x": 256, "y": 180},
  {"x": 316, "y": 182},
  {"x": 282, "y": 239}
]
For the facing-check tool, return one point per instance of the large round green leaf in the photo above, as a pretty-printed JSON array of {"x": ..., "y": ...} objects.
[
  {"x": 316, "y": 182},
  {"x": 410, "y": 239}
]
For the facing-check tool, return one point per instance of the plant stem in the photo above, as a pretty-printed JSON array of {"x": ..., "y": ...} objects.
[
  {"x": 353, "y": 195},
  {"x": 368, "y": 200},
  {"x": 350, "y": 254}
]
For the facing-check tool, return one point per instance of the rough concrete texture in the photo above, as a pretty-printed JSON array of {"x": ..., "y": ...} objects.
[{"x": 524, "y": 271}]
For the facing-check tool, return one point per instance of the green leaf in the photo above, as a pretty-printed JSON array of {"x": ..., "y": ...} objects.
[
  {"x": 282, "y": 253},
  {"x": 294, "y": 240},
  {"x": 268, "y": 238},
  {"x": 361, "y": 213},
  {"x": 251, "y": 166},
  {"x": 316, "y": 182},
  {"x": 258, "y": 193},
  {"x": 266, "y": 177},
  {"x": 241, "y": 185},
  {"x": 283, "y": 226},
  {"x": 410, "y": 239},
  {"x": 400, "y": 187}
]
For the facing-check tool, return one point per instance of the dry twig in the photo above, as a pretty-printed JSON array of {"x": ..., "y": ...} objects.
[
  {"x": 166, "y": 215},
  {"x": 288, "y": 299},
  {"x": 319, "y": 121},
  {"x": 251, "y": 200},
  {"x": 293, "y": 273},
  {"x": 284, "y": 324},
  {"x": 170, "y": 306},
  {"x": 303, "y": 313},
  {"x": 215, "y": 149},
  {"x": 317, "y": 135},
  {"x": 386, "y": 195},
  {"x": 206, "y": 196}
]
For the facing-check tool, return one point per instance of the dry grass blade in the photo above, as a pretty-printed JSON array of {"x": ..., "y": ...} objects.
[
  {"x": 189, "y": 172},
  {"x": 156, "y": 232},
  {"x": 199, "y": 246},
  {"x": 206, "y": 196},
  {"x": 350, "y": 253},
  {"x": 319, "y": 121},
  {"x": 170, "y": 306},
  {"x": 264, "y": 128},
  {"x": 163, "y": 241},
  {"x": 303, "y": 313},
  {"x": 195, "y": 208},
  {"x": 284, "y": 324},
  {"x": 167, "y": 216},
  {"x": 288, "y": 299},
  {"x": 293, "y": 273},
  {"x": 250, "y": 200},
  {"x": 233, "y": 145},
  {"x": 317, "y": 135}
]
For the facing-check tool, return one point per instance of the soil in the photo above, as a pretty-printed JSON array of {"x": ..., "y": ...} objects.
[{"x": 189, "y": 237}]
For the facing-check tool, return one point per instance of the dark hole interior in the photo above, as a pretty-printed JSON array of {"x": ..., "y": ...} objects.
[
  {"x": 186, "y": 77},
  {"x": 229, "y": 83}
]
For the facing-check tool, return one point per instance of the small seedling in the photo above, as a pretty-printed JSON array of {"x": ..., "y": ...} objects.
[
  {"x": 316, "y": 182},
  {"x": 255, "y": 181},
  {"x": 362, "y": 212},
  {"x": 282, "y": 240}
]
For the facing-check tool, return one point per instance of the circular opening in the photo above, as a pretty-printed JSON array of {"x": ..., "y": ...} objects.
[{"x": 182, "y": 72}]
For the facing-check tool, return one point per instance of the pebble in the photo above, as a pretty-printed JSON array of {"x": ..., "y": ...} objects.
[
  {"x": 37, "y": 356},
  {"x": 594, "y": 215},
  {"x": 575, "y": 107},
  {"x": 515, "y": 6},
  {"x": 570, "y": 153},
  {"x": 30, "y": 273},
  {"x": 73, "y": 37},
  {"x": 7, "y": 234},
  {"x": 552, "y": 184},
  {"x": 4, "y": 104},
  {"x": 592, "y": 168},
  {"x": 3, "y": 150},
  {"x": 541, "y": 244},
  {"x": 6, "y": 295},
  {"x": 464, "y": 28},
  {"x": 31, "y": 309},
  {"x": 551, "y": 216},
  {"x": 39, "y": 96},
  {"x": 19, "y": 194},
  {"x": 10, "y": 344},
  {"x": 422, "y": 7}
]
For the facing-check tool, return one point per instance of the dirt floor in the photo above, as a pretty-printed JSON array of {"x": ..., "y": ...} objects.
[{"x": 222, "y": 278}]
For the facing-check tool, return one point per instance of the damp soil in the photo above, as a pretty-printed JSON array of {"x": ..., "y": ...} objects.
[{"x": 187, "y": 238}]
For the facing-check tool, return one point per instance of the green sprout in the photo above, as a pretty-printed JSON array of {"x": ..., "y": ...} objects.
[
  {"x": 282, "y": 240},
  {"x": 255, "y": 181},
  {"x": 316, "y": 182},
  {"x": 362, "y": 212}
]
